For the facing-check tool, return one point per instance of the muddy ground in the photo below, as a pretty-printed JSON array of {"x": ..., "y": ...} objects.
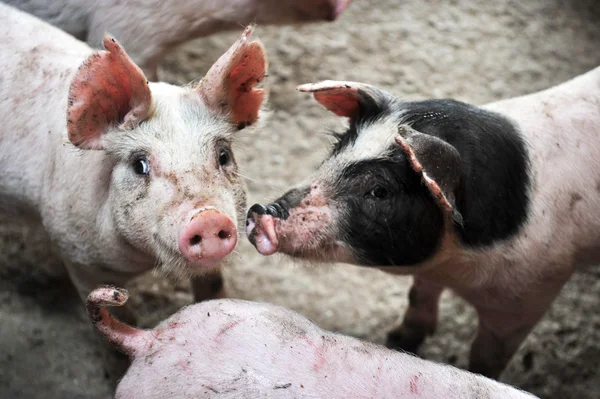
[{"x": 476, "y": 51}]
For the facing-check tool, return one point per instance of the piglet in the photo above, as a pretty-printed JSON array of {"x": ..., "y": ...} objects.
[
  {"x": 239, "y": 349},
  {"x": 149, "y": 29},
  {"x": 123, "y": 175},
  {"x": 500, "y": 203}
]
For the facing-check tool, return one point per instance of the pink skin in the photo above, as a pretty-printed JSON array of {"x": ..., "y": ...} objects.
[
  {"x": 232, "y": 348},
  {"x": 150, "y": 29},
  {"x": 208, "y": 237}
]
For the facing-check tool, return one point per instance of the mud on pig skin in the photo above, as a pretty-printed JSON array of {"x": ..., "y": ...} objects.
[
  {"x": 124, "y": 175},
  {"x": 149, "y": 29},
  {"x": 499, "y": 203},
  {"x": 239, "y": 349}
]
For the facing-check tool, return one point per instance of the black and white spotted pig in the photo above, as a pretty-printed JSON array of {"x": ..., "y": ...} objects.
[{"x": 500, "y": 203}]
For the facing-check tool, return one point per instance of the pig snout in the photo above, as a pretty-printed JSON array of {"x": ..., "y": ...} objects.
[
  {"x": 208, "y": 237},
  {"x": 260, "y": 226}
]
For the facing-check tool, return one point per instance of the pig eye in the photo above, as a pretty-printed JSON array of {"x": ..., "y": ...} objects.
[
  {"x": 141, "y": 167},
  {"x": 224, "y": 157},
  {"x": 379, "y": 192}
]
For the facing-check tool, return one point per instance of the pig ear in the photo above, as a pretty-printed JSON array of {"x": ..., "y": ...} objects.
[
  {"x": 108, "y": 89},
  {"x": 228, "y": 86},
  {"x": 437, "y": 162},
  {"x": 349, "y": 99}
]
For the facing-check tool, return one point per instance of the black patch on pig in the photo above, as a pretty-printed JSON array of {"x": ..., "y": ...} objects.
[
  {"x": 493, "y": 199},
  {"x": 403, "y": 228},
  {"x": 493, "y": 196}
]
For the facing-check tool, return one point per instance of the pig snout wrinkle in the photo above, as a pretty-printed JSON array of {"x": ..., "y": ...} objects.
[{"x": 208, "y": 238}]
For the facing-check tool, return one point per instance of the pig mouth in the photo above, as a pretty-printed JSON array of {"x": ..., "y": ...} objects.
[{"x": 260, "y": 227}]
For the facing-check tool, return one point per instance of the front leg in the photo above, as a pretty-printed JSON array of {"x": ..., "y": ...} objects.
[
  {"x": 208, "y": 286},
  {"x": 496, "y": 342},
  {"x": 421, "y": 317},
  {"x": 503, "y": 329}
]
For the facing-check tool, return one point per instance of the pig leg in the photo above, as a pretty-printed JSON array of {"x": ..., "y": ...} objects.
[
  {"x": 208, "y": 287},
  {"x": 421, "y": 317},
  {"x": 492, "y": 349},
  {"x": 501, "y": 332}
]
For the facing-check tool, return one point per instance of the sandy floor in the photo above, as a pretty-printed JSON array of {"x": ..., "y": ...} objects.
[{"x": 476, "y": 51}]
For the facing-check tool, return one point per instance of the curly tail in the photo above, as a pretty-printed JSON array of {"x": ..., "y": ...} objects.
[{"x": 128, "y": 339}]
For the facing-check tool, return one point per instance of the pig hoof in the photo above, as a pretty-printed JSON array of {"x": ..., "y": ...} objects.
[{"x": 408, "y": 339}]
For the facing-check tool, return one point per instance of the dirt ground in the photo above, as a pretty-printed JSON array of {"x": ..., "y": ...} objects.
[{"x": 476, "y": 51}]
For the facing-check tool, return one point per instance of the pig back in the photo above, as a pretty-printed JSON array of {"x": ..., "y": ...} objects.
[{"x": 560, "y": 126}]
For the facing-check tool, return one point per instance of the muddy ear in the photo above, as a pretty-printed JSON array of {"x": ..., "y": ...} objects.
[
  {"x": 229, "y": 85},
  {"x": 349, "y": 99},
  {"x": 108, "y": 89},
  {"x": 438, "y": 163}
]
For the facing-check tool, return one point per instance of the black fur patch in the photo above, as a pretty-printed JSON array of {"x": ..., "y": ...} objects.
[
  {"x": 493, "y": 196},
  {"x": 403, "y": 227}
]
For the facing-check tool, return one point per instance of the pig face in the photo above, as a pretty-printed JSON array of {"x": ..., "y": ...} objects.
[
  {"x": 174, "y": 191},
  {"x": 393, "y": 190}
]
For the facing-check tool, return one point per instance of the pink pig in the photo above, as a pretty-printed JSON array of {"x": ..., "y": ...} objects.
[
  {"x": 151, "y": 28},
  {"x": 124, "y": 175},
  {"x": 239, "y": 349}
]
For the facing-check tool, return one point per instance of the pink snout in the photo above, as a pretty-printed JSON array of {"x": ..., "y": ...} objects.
[{"x": 208, "y": 237}]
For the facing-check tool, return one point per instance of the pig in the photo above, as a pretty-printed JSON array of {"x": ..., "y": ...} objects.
[
  {"x": 149, "y": 29},
  {"x": 124, "y": 175},
  {"x": 229, "y": 348},
  {"x": 500, "y": 203}
]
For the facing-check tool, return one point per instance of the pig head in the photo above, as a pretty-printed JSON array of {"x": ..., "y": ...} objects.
[
  {"x": 174, "y": 191},
  {"x": 393, "y": 184}
]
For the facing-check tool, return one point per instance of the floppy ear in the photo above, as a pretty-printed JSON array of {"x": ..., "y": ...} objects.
[
  {"x": 108, "y": 89},
  {"x": 437, "y": 162},
  {"x": 349, "y": 99},
  {"x": 228, "y": 86}
]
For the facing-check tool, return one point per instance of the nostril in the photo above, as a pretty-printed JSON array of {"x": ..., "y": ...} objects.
[
  {"x": 195, "y": 240},
  {"x": 223, "y": 234}
]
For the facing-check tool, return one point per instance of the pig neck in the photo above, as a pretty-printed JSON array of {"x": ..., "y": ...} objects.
[{"x": 560, "y": 126}]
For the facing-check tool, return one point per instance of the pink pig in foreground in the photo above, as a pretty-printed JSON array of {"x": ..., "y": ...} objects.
[
  {"x": 123, "y": 175},
  {"x": 149, "y": 29},
  {"x": 238, "y": 349}
]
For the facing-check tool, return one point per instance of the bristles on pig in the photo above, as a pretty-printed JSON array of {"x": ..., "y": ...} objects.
[
  {"x": 149, "y": 29},
  {"x": 124, "y": 175},
  {"x": 238, "y": 349},
  {"x": 500, "y": 203}
]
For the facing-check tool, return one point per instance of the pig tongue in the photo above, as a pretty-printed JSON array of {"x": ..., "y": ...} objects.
[{"x": 265, "y": 238}]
